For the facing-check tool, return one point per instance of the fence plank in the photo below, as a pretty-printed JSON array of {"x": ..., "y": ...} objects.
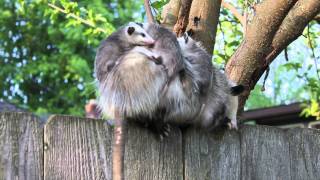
[
  {"x": 304, "y": 153},
  {"x": 264, "y": 153},
  {"x": 77, "y": 148},
  {"x": 21, "y": 146},
  {"x": 212, "y": 155},
  {"x": 148, "y": 158}
]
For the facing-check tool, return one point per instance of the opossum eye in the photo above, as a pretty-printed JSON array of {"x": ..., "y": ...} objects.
[
  {"x": 143, "y": 35},
  {"x": 130, "y": 30}
]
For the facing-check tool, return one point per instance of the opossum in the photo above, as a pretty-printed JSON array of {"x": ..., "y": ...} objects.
[
  {"x": 167, "y": 46},
  {"x": 125, "y": 71},
  {"x": 119, "y": 43},
  {"x": 208, "y": 98}
]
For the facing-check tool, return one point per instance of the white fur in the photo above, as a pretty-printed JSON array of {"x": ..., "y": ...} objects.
[
  {"x": 136, "y": 37},
  {"x": 141, "y": 100}
]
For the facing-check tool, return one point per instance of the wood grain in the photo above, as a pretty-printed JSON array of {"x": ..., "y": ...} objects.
[
  {"x": 211, "y": 155},
  {"x": 149, "y": 158},
  {"x": 264, "y": 153},
  {"x": 21, "y": 146},
  {"x": 304, "y": 153},
  {"x": 80, "y": 148},
  {"x": 77, "y": 148}
]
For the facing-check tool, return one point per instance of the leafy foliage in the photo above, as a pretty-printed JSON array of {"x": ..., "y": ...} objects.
[{"x": 47, "y": 56}]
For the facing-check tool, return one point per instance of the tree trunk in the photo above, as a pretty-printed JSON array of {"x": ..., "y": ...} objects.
[
  {"x": 274, "y": 26},
  {"x": 203, "y": 21},
  {"x": 170, "y": 13}
]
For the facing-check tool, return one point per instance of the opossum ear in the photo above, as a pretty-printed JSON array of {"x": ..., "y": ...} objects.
[{"x": 130, "y": 30}]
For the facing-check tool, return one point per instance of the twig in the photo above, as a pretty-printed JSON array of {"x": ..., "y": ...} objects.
[
  {"x": 286, "y": 54},
  {"x": 148, "y": 11},
  {"x": 312, "y": 50},
  {"x": 263, "y": 88},
  {"x": 234, "y": 11},
  {"x": 76, "y": 17}
]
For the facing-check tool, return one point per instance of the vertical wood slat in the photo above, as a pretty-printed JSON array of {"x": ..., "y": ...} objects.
[
  {"x": 148, "y": 158},
  {"x": 77, "y": 148},
  {"x": 264, "y": 153},
  {"x": 21, "y": 146},
  {"x": 211, "y": 155},
  {"x": 304, "y": 153}
]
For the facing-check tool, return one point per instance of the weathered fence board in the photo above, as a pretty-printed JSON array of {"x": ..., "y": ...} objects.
[
  {"x": 21, "y": 142},
  {"x": 264, "y": 153},
  {"x": 304, "y": 154},
  {"x": 79, "y": 148},
  {"x": 146, "y": 157},
  {"x": 211, "y": 156}
]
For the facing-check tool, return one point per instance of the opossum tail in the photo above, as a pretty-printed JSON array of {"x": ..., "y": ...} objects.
[
  {"x": 118, "y": 147},
  {"x": 236, "y": 90}
]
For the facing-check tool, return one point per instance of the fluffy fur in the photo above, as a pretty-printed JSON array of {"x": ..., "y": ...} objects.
[
  {"x": 116, "y": 58},
  {"x": 207, "y": 100},
  {"x": 167, "y": 46},
  {"x": 118, "y": 44}
]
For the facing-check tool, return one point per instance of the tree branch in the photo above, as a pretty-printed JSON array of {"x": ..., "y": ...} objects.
[
  {"x": 203, "y": 21},
  {"x": 148, "y": 12},
  {"x": 247, "y": 62},
  {"x": 183, "y": 17},
  {"x": 170, "y": 13},
  {"x": 234, "y": 11}
]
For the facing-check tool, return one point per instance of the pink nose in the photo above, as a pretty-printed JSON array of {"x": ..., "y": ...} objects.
[{"x": 150, "y": 42}]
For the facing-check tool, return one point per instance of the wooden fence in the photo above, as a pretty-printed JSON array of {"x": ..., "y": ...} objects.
[{"x": 77, "y": 148}]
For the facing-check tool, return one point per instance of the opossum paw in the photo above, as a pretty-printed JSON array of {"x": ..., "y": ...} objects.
[
  {"x": 164, "y": 131},
  {"x": 232, "y": 124},
  {"x": 160, "y": 130}
]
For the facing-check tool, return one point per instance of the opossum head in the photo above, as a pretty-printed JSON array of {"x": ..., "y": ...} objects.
[{"x": 136, "y": 35}]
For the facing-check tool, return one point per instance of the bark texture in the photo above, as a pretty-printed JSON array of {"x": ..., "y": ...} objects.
[
  {"x": 183, "y": 18},
  {"x": 272, "y": 29},
  {"x": 203, "y": 21},
  {"x": 170, "y": 13}
]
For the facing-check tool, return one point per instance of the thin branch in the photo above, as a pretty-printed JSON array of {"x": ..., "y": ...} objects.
[
  {"x": 234, "y": 11},
  {"x": 263, "y": 88},
  {"x": 148, "y": 11},
  {"x": 286, "y": 56},
  {"x": 312, "y": 50},
  {"x": 89, "y": 23}
]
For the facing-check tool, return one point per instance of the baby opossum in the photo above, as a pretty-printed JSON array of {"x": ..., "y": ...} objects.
[
  {"x": 167, "y": 46},
  {"x": 118, "y": 44},
  {"x": 209, "y": 97}
]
